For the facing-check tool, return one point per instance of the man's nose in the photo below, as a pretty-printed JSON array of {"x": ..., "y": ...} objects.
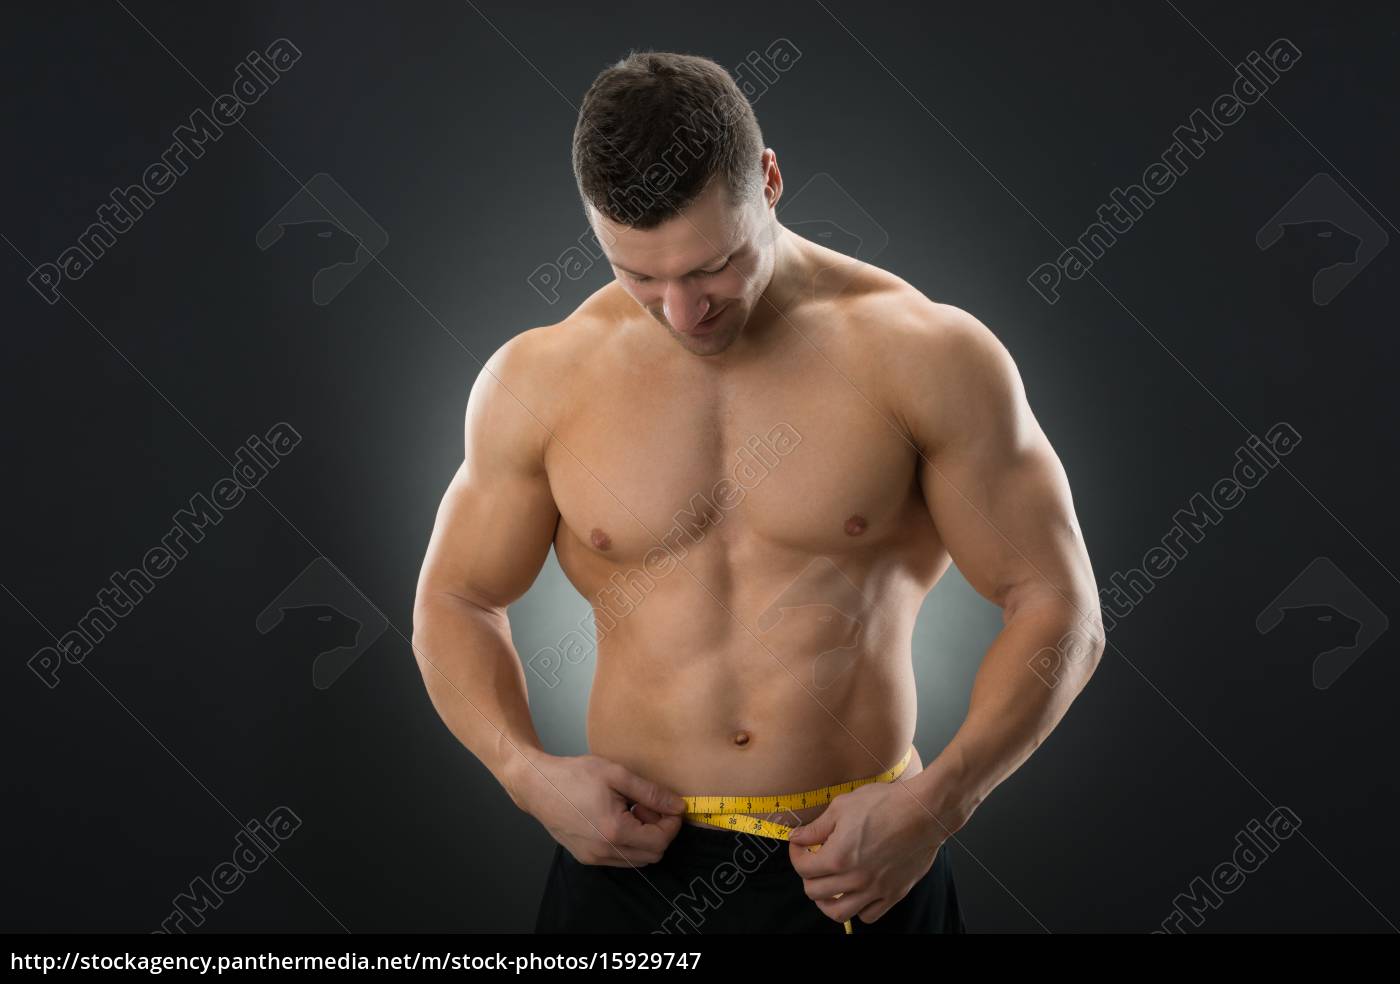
[{"x": 684, "y": 307}]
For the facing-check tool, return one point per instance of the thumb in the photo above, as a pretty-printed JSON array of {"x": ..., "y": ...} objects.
[
  {"x": 815, "y": 832},
  {"x": 645, "y": 813},
  {"x": 646, "y": 792}
]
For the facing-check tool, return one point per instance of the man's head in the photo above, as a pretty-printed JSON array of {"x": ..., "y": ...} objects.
[{"x": 676, "y": 182}]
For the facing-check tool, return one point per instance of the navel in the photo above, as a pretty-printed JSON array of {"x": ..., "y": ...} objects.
[
  {"x": 599, "y": 539},
  {"x": 741, "y": 738},
  {"x": 856, "y": 525}
]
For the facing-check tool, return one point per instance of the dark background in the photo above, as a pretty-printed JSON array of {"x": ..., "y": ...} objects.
[{"x": 978, "y": 139}]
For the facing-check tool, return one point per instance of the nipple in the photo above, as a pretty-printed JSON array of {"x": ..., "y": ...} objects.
[
  {"x": 856, "y": 525},
  {"x": 600, "y": 539}
]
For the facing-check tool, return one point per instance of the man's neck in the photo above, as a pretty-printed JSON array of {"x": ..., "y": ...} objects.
[{"x": 769, "y": 322}]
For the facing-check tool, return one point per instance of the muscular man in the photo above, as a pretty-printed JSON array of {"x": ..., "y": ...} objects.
[{"x": 755, "y": 456}]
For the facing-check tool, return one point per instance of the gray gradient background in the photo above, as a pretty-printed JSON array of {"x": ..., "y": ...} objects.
[{"x": 973, "y": 136}]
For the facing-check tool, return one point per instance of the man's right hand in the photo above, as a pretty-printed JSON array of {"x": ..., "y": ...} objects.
[{"x": 585, "y": 802}]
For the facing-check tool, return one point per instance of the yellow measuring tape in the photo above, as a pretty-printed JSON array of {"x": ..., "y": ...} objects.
[{"x": 731, "y": 812}]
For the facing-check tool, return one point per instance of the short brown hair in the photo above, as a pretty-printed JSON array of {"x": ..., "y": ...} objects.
[{"x": 655, "y": 128}]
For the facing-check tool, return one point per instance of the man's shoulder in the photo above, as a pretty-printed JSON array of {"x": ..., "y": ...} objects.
[
  {"x": 933, "y": 366},
  {"x": 541, "y": 361},
  {"x": 905, "y": 332},
  {"x": 530, "y": 384}
]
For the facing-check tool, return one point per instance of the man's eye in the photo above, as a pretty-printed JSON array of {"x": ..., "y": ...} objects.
[{"x": 706, "y": 273}]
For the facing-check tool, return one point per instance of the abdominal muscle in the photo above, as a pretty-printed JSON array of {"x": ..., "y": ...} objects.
[{"x": 797, "y": 708}]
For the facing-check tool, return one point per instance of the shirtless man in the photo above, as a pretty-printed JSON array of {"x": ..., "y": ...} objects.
[{"x": 768, "y": 649}]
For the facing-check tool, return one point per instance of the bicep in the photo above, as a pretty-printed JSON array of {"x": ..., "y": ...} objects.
[
  {"x": 1005, "y": 516},
  {"x": 497, "y": 519},
  {"x": 491, "y": 537},
  {"x": 995, "y": 489}
]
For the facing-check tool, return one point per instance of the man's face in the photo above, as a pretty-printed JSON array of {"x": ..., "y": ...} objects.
[{"x": 700, "y": 273}]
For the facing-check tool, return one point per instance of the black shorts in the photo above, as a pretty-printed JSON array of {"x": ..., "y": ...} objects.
[{"x": 718, "y": 881}]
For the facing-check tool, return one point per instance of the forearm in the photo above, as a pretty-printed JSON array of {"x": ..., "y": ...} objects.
[
  {"x": 1033, "y": 671},
  {"x": 475, "y": 680}
]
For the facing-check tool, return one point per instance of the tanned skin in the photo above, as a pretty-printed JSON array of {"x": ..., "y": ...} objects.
[{"x": 916, "y": 448}]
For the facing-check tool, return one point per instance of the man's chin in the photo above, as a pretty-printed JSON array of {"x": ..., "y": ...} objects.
[
  {"x": 706, "y": 343},
  {"x": 710, "y": 344}
]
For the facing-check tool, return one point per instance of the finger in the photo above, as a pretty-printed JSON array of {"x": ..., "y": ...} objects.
[
  {"x": 646, "y": 814},
  {"x": 874, "y": 911},
  {"x": 846, "y": 906},
  {"x": 830, "y": 886},
  {"x": 667, "y": 823},
  {"x": 813, "y": 862},
  {"x": 630, "y": 842},
  {"x": 646, "y": 792},
  {"x": 630, "y": 832},
  {"x": 816, "y": 832}
]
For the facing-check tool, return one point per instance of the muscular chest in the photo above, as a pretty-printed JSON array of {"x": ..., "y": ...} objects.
[{"x": 810, "y": 466}]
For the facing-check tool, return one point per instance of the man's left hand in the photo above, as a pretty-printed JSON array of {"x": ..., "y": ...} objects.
[{"x": 875, "y": 842}]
